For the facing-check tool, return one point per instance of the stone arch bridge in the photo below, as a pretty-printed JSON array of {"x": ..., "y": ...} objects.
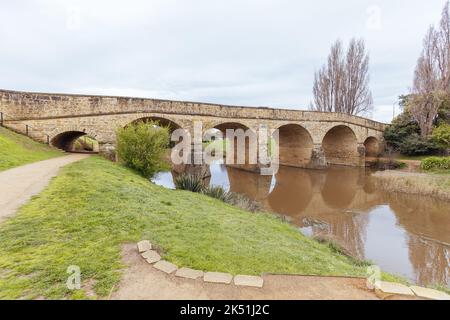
[{"x": 307, "y": 139}]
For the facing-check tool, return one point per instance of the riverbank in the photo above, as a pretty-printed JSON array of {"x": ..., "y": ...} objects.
[
  {"x": 433, "y": 184},
  {"x": 17, "y": 150},
  {"x": 94, "y": 206}
]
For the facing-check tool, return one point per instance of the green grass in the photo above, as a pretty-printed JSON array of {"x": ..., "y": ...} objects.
[
  {"x": 94, "y": 206},
  {"x": 17, "y": 150},
  {"x": 417, "y": 158}
]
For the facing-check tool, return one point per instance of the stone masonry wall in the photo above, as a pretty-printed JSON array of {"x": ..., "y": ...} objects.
[{"x": 48, "y": 115}]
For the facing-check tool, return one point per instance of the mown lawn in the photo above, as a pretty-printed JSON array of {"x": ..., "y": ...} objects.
[
  {"x": 17, "y": 150},
  {"x": 94, "y": 206}
]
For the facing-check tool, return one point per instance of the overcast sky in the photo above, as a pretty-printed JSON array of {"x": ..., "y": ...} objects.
[{"x": 240, "y": 52}]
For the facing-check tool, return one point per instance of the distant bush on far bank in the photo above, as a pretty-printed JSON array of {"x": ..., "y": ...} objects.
[
  {"x": 435, "y": 163},
  {"x": 142, "y": 146}
]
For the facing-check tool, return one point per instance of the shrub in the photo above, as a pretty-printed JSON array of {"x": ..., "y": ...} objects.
[
  {"x": 403, "y": 135},
  {"x": 417, "y": 145},
  {"x": 441, "y": 135},
  {"x": 435, "y": 163},
  {"x": 142, "y": 146},
  {"x": 190, "y": 182},
  {"x": 402, "y": 127}
]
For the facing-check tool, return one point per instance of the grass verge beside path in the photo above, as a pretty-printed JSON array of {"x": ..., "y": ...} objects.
[
  {"x": 94, "y": 206},
  {"x": 17, "y": 150}
]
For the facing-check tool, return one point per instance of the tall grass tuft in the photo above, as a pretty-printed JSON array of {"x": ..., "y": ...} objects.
[
  {"x": 190, "y": 182},
  {"x": 218, "y": 192},
  {"x": 195, "y": 183},
  {"x": 244, "y": 203}
]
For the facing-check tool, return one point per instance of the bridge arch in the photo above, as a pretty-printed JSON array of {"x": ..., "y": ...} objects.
[
  {"x": 66, "y": 141},
  {"x": 161, "y": 121},
  {"x": 340, "y": 146},
  {"x": 372, "y": 146},
  {"x": 244, "y": 159},
  {"x": 295, "y": 145}
]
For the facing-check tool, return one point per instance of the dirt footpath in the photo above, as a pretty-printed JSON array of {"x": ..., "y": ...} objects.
[
  {"x": 142, "y": 281},
  {"x": 18, "y": 185}
]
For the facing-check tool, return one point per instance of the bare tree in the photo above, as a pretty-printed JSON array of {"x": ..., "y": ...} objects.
[
  {"x": 357, "y": 98},
  {"x": 328, "y": 81},
  {"x": 342, "y": 85},
  {"x": 432, "y": 75}
]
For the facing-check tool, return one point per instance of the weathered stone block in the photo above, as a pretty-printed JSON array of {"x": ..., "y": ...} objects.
[
  {"x": 248, "y": 281},
  {"x": 165, "y": 266},
  {"x": 189, "y": 273},
  {"x": 144, "y": 245},
  {"x": 218, "y": 277},
  {"x": 385, "y": 289},
  {"x": 151, "y": 256},
  {"x": 429, "y": 294}
]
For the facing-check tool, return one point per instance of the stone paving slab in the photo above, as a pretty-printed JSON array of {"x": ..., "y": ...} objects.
[
  {"x": 218, "y": 277},
  {"x": 151, "y": 256},
  {"x": 385, "y": 289},
  {"x": 165, "y": 266},
  {"x": 248, "y": 281},
  {"x": 430, "y": 294},
  {"x": 144, "y": 245},
  {"x": 189, "y": 273}
]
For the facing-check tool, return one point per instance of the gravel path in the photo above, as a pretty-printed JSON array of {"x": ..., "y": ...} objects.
[{"x": 19, "y": 184}]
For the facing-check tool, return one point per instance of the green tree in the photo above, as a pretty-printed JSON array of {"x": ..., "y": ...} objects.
[
  {"x": 142, "y": 147},
  {"x": 441, "y": 136},
  {"x": 403, "y": 136}
]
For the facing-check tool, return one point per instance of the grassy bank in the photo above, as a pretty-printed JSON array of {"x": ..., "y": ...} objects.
[
  {"x": 17, "y": 150},
  {"x": 434, "y": 184},
  {"x": 94, "y": 206}
]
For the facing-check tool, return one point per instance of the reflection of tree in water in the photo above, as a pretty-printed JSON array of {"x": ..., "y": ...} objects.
[
  {"x": 250, "y": 184},
  {"x": 430, "y": 260},
  {"x": 335, "y": 202},
  {"x": 428, "y": 225},
  {"x": 322, "y": 199}
]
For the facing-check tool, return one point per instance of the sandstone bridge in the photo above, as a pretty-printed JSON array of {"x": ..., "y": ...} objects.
[{"x": 307, "y": 139}]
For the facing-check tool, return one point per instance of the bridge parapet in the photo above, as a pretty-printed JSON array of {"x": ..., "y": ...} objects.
[
  {"x": 307, "y": 138},
  {"x": 28, "y": 106}
]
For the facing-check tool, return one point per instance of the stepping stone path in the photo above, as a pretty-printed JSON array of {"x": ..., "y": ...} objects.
[
  {"x": 430, "y": 294},
  {"x": 151, "y": 256},
  {"x": 144, "y": 245},
  {"x": 248, "y": 281},
  {"x": 165, "y": 266},
  {"x": 218, "y": 277},
  {"x": 385, "y": 289},
  {"x": 189, "y": 273}
]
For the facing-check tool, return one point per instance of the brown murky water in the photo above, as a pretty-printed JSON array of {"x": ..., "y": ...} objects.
[{"x": 403, "y": 234}]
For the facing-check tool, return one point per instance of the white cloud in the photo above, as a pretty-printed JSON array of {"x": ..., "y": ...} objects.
[{"x": 253, "y": 52}]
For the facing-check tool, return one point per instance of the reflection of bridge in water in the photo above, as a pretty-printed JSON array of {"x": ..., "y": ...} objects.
[{"x": 345, "y": 204}]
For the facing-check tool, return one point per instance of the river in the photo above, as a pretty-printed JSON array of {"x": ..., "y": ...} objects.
[{"x": 403, "y": 234}]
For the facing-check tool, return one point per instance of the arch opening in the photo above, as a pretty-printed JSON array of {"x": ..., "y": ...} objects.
[
  {"x": 75, "y": 141},
  {"x": 372, "y": 147},
  {"x": 162, "y": 122},
  {"x": 341, "y": 146},
  {"x": 244, "y": 147},
  {"x": 295, "y": 146}
]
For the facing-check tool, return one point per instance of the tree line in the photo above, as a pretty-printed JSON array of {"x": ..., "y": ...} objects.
[{"x": 342, "y": 85}]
